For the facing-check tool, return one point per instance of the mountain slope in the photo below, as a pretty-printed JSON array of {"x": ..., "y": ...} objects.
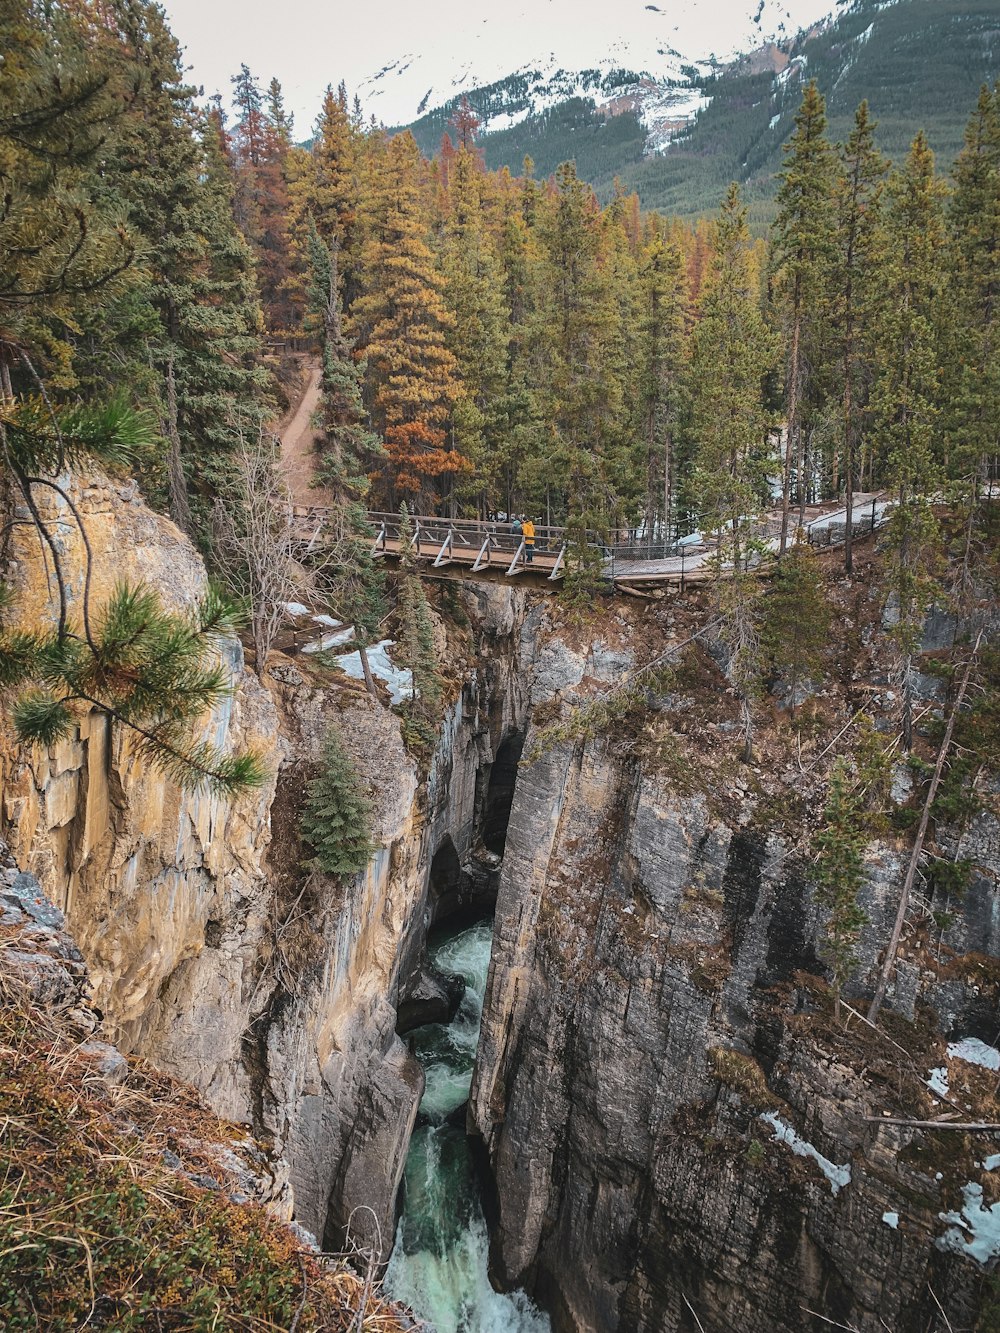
[
  {"x": 562, "y": 48},
  {"x": 920, "y": 63}
]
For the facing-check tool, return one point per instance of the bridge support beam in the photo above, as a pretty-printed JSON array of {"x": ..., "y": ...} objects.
[
  {"x": 484, "y": 550},
  {"x": 513, "y": 564},
  {"x": 445, "y": 551}
]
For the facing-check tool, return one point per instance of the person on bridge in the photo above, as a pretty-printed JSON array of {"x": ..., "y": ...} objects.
[
  {"x": 528, "y": 528},
  {"x": 515, "y": 526}
]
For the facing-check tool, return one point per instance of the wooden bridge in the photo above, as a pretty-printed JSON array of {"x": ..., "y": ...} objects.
[{"x": 630, "y": 561}]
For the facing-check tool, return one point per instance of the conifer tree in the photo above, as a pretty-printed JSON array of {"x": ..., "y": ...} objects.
[
  {"x": 905, "y": 403},
  {"x": 803, "y": 249},
  {"x": 401, "y": 323},
  {"x": 854, "y": 289},
  {"x": 972, "y": 382},
  {"x": 796, "y": 618},
  {"x": 838, "y": 874},
  {"x": 474, "y": 292},
  {"x": 324, "y": 185},
  {"x": 662, "y": 296},
  {"x": 732, "y": 352},
  {"x": 186, "y": 334},
  {"x": 348, "y": 449},
  {"x": 150, "y": 672},
  {"x": 258, "y": 148},
  {"x": 61, "y": 93},
  {"x": 336, "y": 817},
  {"x": 416, "y": 635},
  {"x": 575, "y": 325}
]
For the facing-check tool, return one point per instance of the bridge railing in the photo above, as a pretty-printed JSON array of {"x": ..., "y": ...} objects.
[{"x": 483, "y": 543}]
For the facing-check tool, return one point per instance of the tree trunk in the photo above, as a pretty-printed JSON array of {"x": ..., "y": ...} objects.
[
  {"x": 179, "y": 506},
  {"x": 918, "y": 845},
  {"x": 366, "y": 668},
  {"x": 848, "y": 477},
  {"x": 793, "y": 412}
]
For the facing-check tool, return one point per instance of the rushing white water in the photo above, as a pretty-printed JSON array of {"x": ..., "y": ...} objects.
[{"x": 439, "y": 1263}]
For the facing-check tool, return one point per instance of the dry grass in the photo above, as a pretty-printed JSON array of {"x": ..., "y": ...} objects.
[{"x": 99, "y": 1231}]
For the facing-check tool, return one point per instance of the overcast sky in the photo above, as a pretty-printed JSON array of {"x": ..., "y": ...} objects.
[{"x": 307, "y": 43}]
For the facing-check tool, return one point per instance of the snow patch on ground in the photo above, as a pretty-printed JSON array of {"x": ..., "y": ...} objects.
[
  {"x": 991, "y": 1163},
  {"x": 891, "y": 1220},
  {"x": 329, "y": 641},
  {"x": 974, "y": 1052},
  {"x": 975, "y": 1231},
  {"x": 838, "y": 1176},
  {"x": 398, "y": 679},
  {"x": 938, "y": 1081}
]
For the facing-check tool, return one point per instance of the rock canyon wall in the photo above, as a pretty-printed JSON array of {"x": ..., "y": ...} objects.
[
  {"x": 211, "y": 951},
  {"x": 678, "y": 1133}
]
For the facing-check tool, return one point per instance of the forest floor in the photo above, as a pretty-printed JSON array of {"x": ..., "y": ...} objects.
[{"x": 298, "y": 436}]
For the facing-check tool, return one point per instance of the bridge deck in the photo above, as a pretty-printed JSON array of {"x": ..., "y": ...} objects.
[{"x": 495, "y": 546}]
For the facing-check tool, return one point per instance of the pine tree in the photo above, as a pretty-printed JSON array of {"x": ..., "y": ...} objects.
[
  {"x": 61, "y": 92},
  {"x": 796, "y": 619},
  {"x": 478, "y": 336},
  {"x": 401, "y": 323},
  {"x": 150, "y": 672},
  {"x": 854, "y": 288},
  {"x": 732, "y": 353},
  {"x": 972, "y": 364},
  {"x": 416, "y": 635},
  {"x": 905, "y": 397},
  {"x": 336, "y": 818},
  {"x": 803, "y": 249},
  {"x": 258, "y": 146},
  {"x": 354, "y": 580},
  {"x": 838, "y": 874},
  {"x": 573, "y": 346},
  {"x": 323, "y": 185},
  {"x": 662, "y": 296}
]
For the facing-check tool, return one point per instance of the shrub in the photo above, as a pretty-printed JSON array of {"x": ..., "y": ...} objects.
[{"x": 336, "y": 818}]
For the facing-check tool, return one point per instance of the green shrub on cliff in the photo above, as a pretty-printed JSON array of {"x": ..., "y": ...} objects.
[{"x": 336, "y": 818}]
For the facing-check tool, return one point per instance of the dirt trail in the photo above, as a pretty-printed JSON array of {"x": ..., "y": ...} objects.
[{"x": 298, "y": 443}]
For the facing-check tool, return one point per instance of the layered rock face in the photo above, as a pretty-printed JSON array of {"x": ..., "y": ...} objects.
[
  {"x": 211, "y": 952},
  {"x": 654, "y": 994}
]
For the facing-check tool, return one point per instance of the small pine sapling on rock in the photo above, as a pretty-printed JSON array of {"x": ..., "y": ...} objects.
[
  {"x": 851, "y": 816},
  {"x": 336, "y": 817},
  {"x": 416, "y": 635}
]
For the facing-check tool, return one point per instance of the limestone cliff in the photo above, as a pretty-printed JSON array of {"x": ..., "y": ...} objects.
[
  {"x": 677, "y": 1129},
  {"x": 211, "y": 952}
]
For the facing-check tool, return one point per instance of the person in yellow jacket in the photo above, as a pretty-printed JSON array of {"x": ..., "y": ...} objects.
[{"x": 528, "y": 529}]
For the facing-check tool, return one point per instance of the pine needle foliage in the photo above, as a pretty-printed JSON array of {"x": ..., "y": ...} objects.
[
  {"x": 336, "y": 817},
  {"x": 416, "y": 631},
  {"x": 154, "y": 672},
  {"x": 851, "y": 816},
  {"x": 796, "y": 618}
]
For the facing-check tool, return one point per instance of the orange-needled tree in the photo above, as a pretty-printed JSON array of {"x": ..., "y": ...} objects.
[{"x": 401, "y": 322}]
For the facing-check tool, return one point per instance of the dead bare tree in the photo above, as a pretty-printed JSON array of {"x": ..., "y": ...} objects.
[
  {"x": 254, "y": 531},
  {"x": 918, "y": 844}
]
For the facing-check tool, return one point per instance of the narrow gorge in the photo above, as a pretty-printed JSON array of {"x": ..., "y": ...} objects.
[{"x": 668, "y": 1128}]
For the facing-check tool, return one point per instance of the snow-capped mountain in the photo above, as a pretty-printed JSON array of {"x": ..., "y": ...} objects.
[{"x": 639, "y": 55}]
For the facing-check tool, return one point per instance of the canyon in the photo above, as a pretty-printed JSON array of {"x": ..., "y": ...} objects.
[{"x": 674, "y": 1132}]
